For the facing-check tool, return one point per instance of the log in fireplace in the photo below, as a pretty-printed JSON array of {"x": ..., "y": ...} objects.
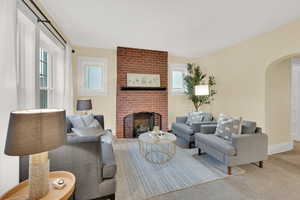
[{"x": 138, "y": 123}]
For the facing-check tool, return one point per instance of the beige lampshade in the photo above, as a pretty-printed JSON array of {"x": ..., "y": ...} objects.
[
  {"x": 201, "y": 90},
  {"x": 35, "y": 131}
]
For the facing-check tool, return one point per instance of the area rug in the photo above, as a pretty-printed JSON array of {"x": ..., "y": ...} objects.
[{"x": 138, "y": 179}]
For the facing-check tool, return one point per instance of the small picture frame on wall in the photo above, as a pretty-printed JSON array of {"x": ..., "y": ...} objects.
[{"x": 143, "y": 80}]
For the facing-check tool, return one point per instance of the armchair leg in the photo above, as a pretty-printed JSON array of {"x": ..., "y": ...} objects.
[
  {"x": 229, "y": 170},
  {"x": 199, "y": 152},
  {"x": 261, "y": 164},
  {"x": 191, "y": 144}
]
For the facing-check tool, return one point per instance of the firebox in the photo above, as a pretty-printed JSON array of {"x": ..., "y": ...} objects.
[{"x": 138, "y": 123}]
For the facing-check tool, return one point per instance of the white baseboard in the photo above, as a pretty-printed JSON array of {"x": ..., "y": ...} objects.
[
  {"x": 280, "y": 148},
  {"x": 296, "y": 137}
]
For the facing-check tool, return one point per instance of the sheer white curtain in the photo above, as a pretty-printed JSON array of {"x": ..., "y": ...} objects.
[
  {"x": 26, "y": 67},
  {"x": 9, "y": 166},
  {"x": 61, "y": 86},
  {"x": 68, "y": 85},
  {"x": 63, "y": 83}
]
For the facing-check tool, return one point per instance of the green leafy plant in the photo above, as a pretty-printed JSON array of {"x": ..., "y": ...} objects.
[{"x": 194, "y": 77}]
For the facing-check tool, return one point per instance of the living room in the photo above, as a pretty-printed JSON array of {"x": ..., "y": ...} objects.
[{"x": 149, "y": 100}]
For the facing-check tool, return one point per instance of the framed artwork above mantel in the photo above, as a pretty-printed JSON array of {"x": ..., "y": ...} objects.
[{"x": 143, "y": 80}]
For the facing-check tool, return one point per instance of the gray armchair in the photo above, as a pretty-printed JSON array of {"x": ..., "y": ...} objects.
[
  {"x": 186, "y": 133},
  {"x": 90, "y": 160},
  {"x": 242, "y": 149}
]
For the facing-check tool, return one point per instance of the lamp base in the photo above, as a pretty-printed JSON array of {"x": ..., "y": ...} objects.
[{"x": 38, "y": 175}]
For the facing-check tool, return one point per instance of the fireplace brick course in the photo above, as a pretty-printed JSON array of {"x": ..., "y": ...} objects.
[{"x": 130, "y": 60}]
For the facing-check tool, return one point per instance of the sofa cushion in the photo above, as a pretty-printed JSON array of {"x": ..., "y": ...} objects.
[
  {"x": 182, "y": 128},
  {"x": 248, "y": 127},
  {"x": 89, "y": 131},
  {"x": 216, "y": 143},
  {"x": 109, "y": 164}
]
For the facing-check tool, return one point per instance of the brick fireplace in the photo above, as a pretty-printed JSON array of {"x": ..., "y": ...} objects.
[{"x": 140, "y": 61}]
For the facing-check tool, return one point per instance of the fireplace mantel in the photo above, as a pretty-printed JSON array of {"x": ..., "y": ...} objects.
[{"x": 143, "y": 88}]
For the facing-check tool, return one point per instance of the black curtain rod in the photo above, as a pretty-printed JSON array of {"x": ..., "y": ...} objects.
[{"x": 45, "y": 22}]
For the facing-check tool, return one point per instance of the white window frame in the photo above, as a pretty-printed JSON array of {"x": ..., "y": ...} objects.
[
  {"x": 181, "y": 67},
  {"x": 83, "y": 62},
  {"x": 50, "y": 62}
]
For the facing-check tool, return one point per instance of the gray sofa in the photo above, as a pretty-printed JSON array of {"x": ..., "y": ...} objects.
[
  {"x": 248, "y": 147},
  {"x": 186, "y": 133},
  {"x": 89, "y": 159}
]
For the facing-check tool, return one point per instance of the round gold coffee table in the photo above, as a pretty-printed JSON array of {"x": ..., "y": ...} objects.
[{"x": 157, "y": 149}]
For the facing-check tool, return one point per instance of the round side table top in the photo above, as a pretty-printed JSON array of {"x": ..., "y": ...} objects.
[
  {"x": 20, "y": 191},
  {"x": 151, "y": 138}
]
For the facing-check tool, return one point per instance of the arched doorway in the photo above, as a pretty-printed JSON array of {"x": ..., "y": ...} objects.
[{"x": 280, "y": 102}]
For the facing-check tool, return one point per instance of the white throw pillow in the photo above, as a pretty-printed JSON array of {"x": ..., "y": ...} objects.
[
  {"x": 77, "y": 121},
  {"x": 90, "y": 121},
  {"x": 95, "y": 123}
]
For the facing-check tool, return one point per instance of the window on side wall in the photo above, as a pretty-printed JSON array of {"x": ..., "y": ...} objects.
[
  {"x": 177, "y": 73},
  {"x": 92, "y": 74}
]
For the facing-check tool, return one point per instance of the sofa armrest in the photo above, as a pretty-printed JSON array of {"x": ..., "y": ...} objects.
[
  {"x": 251, "y": 145},
  {"x": 181, "y": 119},
  {"x": 73, "y": 139},
  {"x": 208, "y": 128}
]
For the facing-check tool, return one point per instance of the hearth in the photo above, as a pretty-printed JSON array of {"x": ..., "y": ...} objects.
[{"x": 138, "y": 123}]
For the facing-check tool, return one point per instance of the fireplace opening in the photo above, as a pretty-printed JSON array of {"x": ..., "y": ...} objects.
[{"x": 138, "y": 123}]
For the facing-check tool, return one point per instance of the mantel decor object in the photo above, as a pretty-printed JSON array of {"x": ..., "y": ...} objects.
[
  {"x": 143, "y": 80},
  {"x": 35, "y": 132}
]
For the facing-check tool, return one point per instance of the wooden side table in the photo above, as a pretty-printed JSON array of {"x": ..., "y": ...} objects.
[{"x": 20, "y": 191}]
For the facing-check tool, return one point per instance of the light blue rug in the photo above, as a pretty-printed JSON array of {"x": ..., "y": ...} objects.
[{"x": 138, "y": 179}]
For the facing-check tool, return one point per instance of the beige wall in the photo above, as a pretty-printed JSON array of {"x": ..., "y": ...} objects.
[
  {"x": 240, "y": 72},
  {"x": 178, "y": 105},
  {"x": 106, "y": 105},
  {"x": 278, "y": 101}
]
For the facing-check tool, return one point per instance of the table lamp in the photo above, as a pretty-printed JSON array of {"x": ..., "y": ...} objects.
[
  {"x": 35, "y": 132},
  {"x": 84, "y": 105},
  {"x": 201, "y": 90}
]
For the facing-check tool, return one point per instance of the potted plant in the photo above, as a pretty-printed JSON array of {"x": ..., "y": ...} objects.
[{"x": 194, "y": 77}]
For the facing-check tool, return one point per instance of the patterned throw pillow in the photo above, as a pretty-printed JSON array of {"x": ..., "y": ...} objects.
[
  {"x": 227, "y": 126},
  {"x": 207, "y": 117},
  {"x": 194, "y": 117},
  {"x": 248, "y": 127}
]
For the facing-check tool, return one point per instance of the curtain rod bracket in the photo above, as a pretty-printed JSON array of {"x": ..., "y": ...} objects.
[{"x": 44, "y": 21}]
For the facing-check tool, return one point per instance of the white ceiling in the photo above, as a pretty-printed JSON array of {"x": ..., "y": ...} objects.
[{"x": 188, "y": 28}]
